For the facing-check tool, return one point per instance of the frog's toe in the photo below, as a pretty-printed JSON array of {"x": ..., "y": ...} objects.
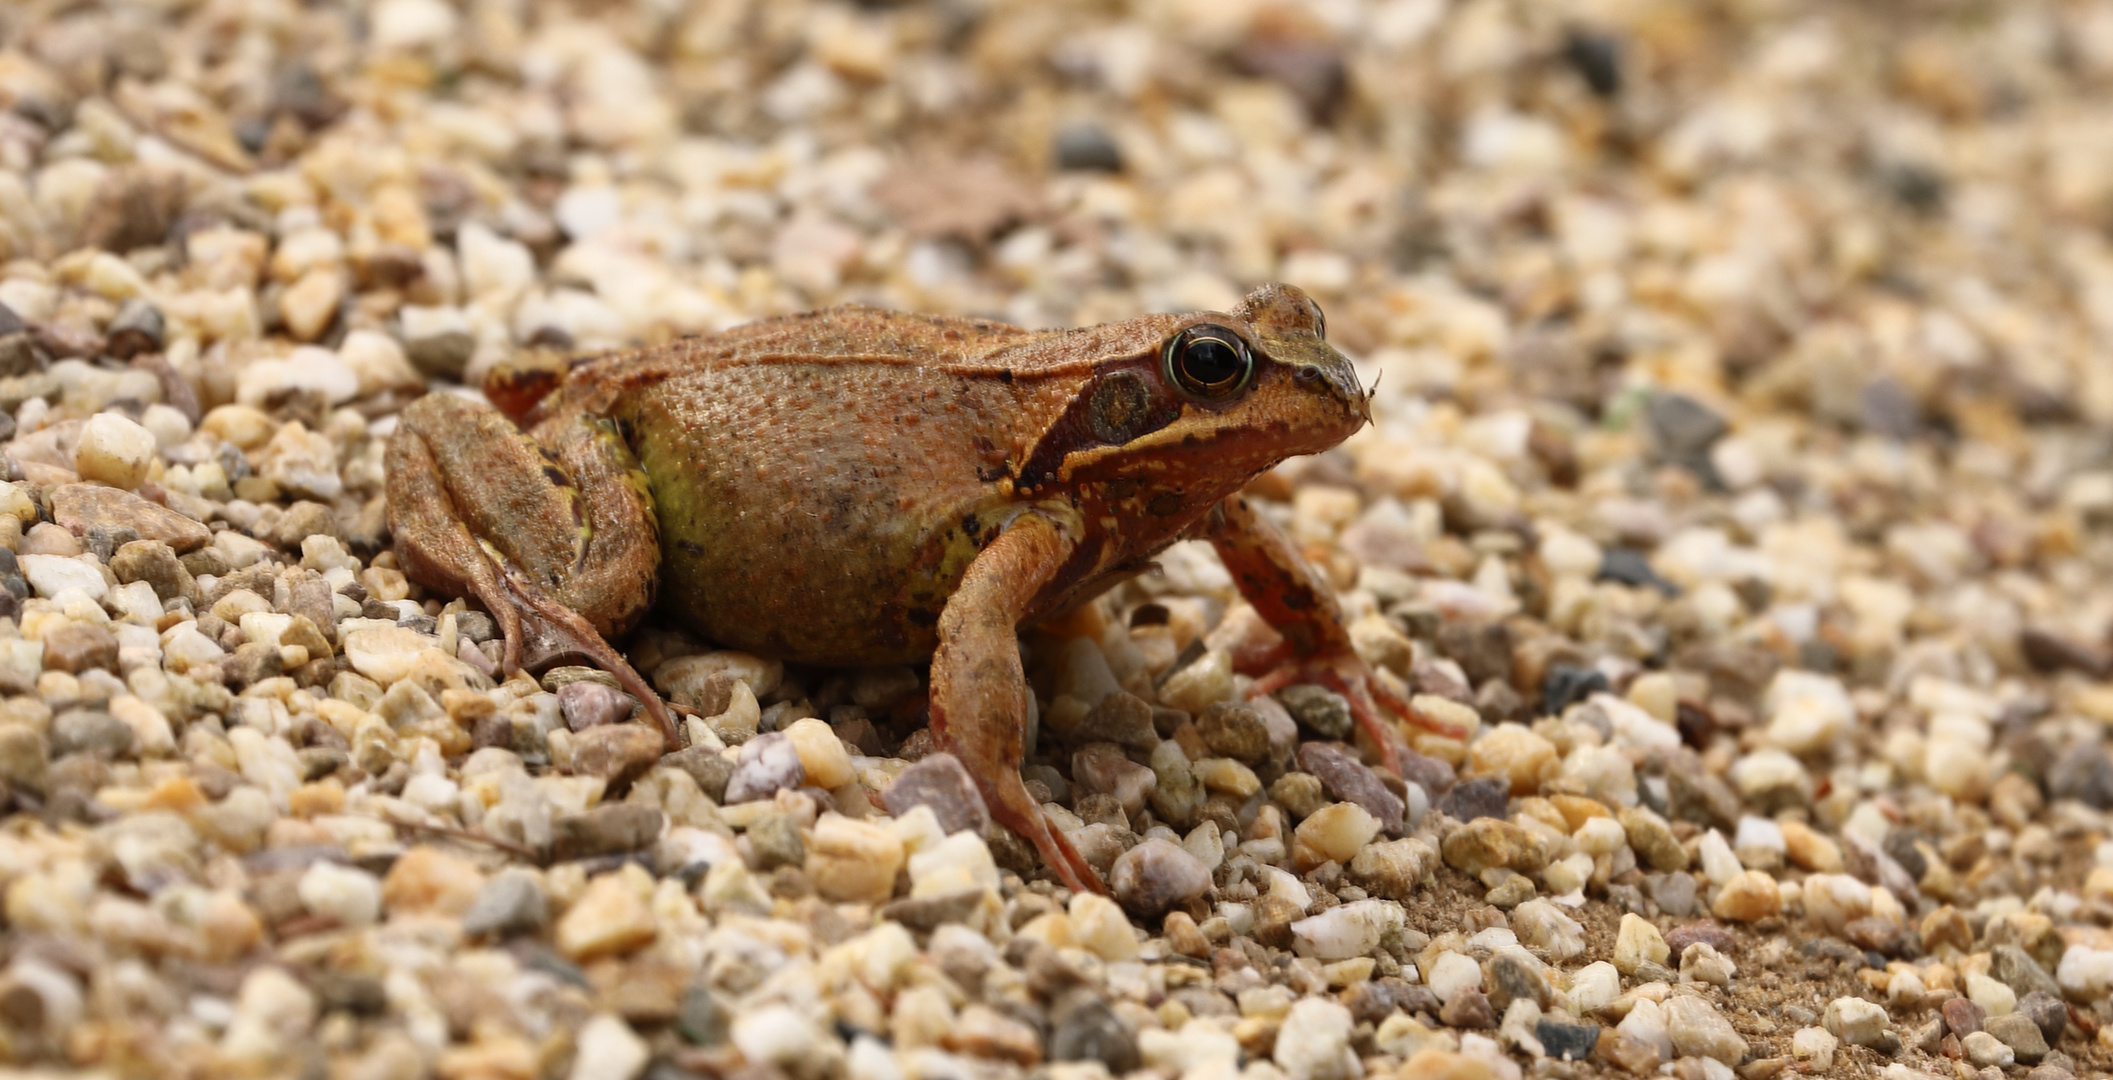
[
  {"x": 1056, "y": 849},
  {"x": 1371, "y": 699},
  {"x": 550, "y": 630}
]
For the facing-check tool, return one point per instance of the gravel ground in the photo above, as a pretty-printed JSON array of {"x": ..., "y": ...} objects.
[{"x": 1742, "y": 474}]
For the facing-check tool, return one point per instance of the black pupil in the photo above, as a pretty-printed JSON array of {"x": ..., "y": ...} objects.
[{"x": 1211, "y": 362}]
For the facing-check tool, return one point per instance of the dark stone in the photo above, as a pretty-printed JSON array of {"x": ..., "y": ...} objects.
[
  {"x": 941, "y": 782},
  {"x": 1902, "y": 846},
  {"x": 1632, "y": 567},
  {"x": 1918, "y": 186},
  {"x": 1483, "y": 650},
  {"x": 1310, "y": 66},
  {"x": 1567, "y": 1042},
  {"x": 1703, "y": 931},
  {"x": 1873, "y": 933},
  {"x": 360, "y": 995},
  {"x": 1086, "y": 1029},
  {"x": 1235, "y": 730},
  {"x": 2048, "y": 651},
  {"x": 2015, "y": 968},
  {"x": 2084, "y": 773},
  {"x": 1372, "y": 1001},
  {"x": 1321, "y": 710},
  {"x": 925, "y": 914},
  {"x": 618, "y": 753},
  {"x": 155, "y": 563},
  {"x": 74, "y": 647},
  {"x": 252, "y": 662},
  {"x": 1886, "y": 408},
  {"x": 1087, "y": 146},
  {"x": 606, "y": 830},
  {"x": 1596, "y": 57},
  {"x": 476, "y": 626},
  {"x": 1962, "y": 1016},
  {"x": 703, "y": 1019},
  {"x": 85, "y": 731},
  {"x": 1498, "y": 703},
  {"x": 2047, "y": 1011},
  {"x": 704, "y": 766},
  {"x": 1567, "y": 684},
  {"x": 1681, "y": 427},
  {"x": 1511, "y": 979},
  {"x": 1434, "y": 776},
  {"x": 1348, "y": 780},
  {"x": 1471, "y": 799},
  {"x": 1120, "y": 718},
  {"x": 318, "y": 762},
  {"x": 588, "y": 703},
  {"x": 2021, "y": 1033},
  {"x": 137, "y": 329},
  {"x": 1695, "y": 795},
  {"x": 775, "y": 840},
  {"x": 1469, "y": 1008},
  {"x": 511, "y": 902}
]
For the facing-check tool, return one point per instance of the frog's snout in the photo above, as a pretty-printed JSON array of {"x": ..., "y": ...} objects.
[{"x": 1338, "y": 381}]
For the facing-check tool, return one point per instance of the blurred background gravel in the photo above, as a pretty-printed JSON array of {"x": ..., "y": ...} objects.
[{"x": 1743, "y": 467}]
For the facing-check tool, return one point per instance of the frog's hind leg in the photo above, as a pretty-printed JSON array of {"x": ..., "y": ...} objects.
[
  {"x": 556, "y": 536},
  {"x": 979, "y": 691}
]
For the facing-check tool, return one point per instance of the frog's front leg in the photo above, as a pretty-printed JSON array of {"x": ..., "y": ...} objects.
[
  {"x": 1290, "y": 595},
  {"x": 979, "y": 691},
  {"x": 556, "y": 537}
]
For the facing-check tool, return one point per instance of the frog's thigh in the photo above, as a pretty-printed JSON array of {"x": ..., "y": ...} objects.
[
  {"x": 464, "y": 482},
  {"x": 612, "y": 582},
  {"x": 979, "y": 691},
  {"x": 1271, "y": 574}
]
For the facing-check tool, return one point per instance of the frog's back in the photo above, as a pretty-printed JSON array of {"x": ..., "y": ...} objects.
[{"x": 821, "y": 481}]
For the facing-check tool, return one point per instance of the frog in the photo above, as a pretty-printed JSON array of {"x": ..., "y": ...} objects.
[{"x": 856, "y": 486}]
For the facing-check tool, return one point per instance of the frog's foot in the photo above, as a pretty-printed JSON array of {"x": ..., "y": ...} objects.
[
  {"x": 1012, "y": 807},
  {"x": 1372, "y": 700},
  {"x": 551, "y": 630}
]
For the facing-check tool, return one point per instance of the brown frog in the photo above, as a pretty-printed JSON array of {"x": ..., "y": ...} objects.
[{"x": 857, "y": 486}]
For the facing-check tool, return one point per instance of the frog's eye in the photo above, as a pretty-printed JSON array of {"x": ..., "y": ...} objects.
[{"x": 1209, "y": 361}]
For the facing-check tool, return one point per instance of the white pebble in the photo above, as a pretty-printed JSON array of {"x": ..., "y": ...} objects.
[
  {"x": 1452, "y": 972},
  {"x": 1718, "y": 862},
  {"x": 51, "y": 575},
  {"x": 348, "y": 894},
  {"x": 1352, "y": 929},
  {"x": 1758, "y": 834},
  {"x": 114, "y": 450},
  {"x": 609, "y": 1050}
]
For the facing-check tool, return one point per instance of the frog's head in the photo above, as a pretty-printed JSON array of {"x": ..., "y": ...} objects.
[{"x": 1183, "y": 409}]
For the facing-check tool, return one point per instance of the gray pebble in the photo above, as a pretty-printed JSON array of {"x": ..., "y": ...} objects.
[
  {"x": 775, "y": 840},
  {"x": 1321, "y": 710},
  {"x": 84, "y": 731},
  {"x": 1087, "y": 1029},
  {"x": 941, "y": 782},
  {"x": 768, "y": 763},
  {"x": 1157, "y": 875},
  {"x": 606, "y": 830},
  {"x": 512, "y": 902},
  {"x": 1484, "y": 798},
  {"x": 1349, "y": 780},
  {"x": 590, "y": 704}
]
